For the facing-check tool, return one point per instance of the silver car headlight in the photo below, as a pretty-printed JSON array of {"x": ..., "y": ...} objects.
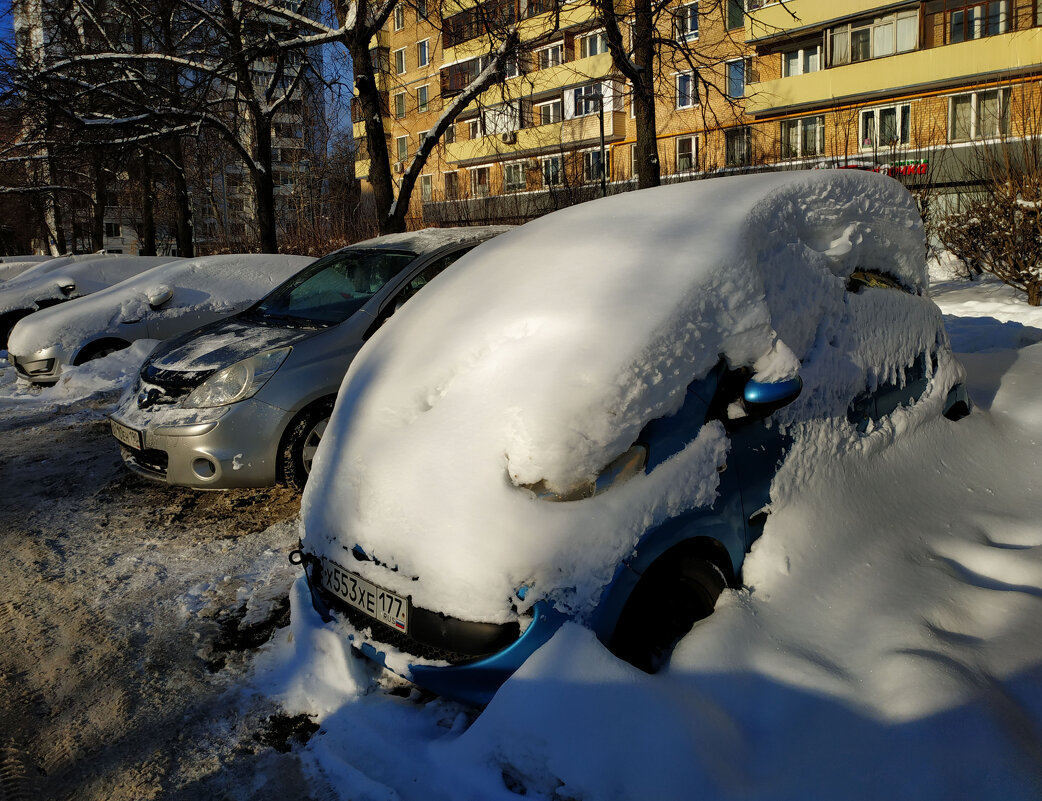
[
  {"x": 239, "y": 381},
  {"x": 621, "y": 469}
]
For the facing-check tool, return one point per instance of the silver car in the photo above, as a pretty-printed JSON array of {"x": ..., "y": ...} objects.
[{"x": 243, "y": 402}]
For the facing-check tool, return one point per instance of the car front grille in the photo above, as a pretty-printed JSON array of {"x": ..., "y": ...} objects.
[
  {"x": 148, "y": 460},
  {"x": 433, "y": 636}
]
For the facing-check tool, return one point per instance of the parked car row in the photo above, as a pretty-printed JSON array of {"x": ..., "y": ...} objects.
[{"x": 581, "y": 419}]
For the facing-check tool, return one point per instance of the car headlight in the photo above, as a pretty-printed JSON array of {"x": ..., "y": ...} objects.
[
  {"x": 239, "y": 381},
  {"x": 619, "y": 470}
]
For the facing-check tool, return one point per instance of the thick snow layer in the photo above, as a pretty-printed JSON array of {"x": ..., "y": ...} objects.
[
  {"x": 88, "y": 273},
  {"x": 558, "y": 342},
  {"x": 204, "y": 289},
  {"x": 885, "y": 643}
]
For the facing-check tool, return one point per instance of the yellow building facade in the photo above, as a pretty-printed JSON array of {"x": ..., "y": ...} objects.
[{"x": 900, "y": 87}]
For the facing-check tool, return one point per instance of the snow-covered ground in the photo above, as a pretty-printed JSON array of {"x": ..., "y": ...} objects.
[{"x": 887, "y": 642}]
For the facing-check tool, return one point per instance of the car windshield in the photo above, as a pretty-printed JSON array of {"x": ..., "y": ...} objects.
[{"x": 332, "y": 289}]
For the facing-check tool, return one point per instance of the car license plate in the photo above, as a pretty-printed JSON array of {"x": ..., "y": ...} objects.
[
  {"x": 378, "y": 603},
  {"x": 130, "y": 437}
]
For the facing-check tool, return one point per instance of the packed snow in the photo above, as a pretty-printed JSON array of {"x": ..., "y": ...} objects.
[
  {"x": 203, "y": 290},
  {"x": 582, "y": 327}
]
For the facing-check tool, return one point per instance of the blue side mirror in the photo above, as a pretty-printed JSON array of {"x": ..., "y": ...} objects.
[{"x": 764, "y": 398}]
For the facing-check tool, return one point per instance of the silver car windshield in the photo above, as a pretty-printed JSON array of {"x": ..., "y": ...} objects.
[{"x": 331, "y": 289}]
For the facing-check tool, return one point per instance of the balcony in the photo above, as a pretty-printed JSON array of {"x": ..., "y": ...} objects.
[
  {"x": 976, "y": 61},
  {"x": 779, "y": 20}
]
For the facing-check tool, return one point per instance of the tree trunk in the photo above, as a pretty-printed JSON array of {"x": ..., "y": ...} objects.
[
  {"x": 147, "y": 238},
  {"x": 97, "y": 227},
  {"x": 264, "y": 186},
  {"x": 648, "y": 167},
  {"x": 185, "y": 238},
  {"x": 379, "y": 158}
]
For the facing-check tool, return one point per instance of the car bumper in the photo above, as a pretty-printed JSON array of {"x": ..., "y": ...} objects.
[
  {"x": 233, "y": 447},
  {"x": 41, "y": 367},
  {"x": 475, "y": 681}
]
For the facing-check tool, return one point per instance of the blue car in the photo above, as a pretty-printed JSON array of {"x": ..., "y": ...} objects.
[{"x": 452, "y": 571}]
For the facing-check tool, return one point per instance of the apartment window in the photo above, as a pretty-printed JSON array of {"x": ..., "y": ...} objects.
[
  {"x": 978, "y": 20},
  {"x": 549, "y": 56},
  {"x": 514, "y": 176},
  {"x": 801, "y": 61},
  {"x": 587, "y": 99},
  {"x": 738, "y": 149},
  {"x": 399, "y": 17},
  {"x": 401, "y": 145},
  {"x": 426, "y": 188},
  {"x": 399, "y": 60},
  {"x": 420, "y": 137},
  {"x": 473, "y": 128},
  {"x": 547, "y": 113},
  {"x": 450, "y": 134},
  {"x": 451, "y": 181},
  {"x": 734, "y": 14},
  {"x": 978, "y": 115},
  {"x": 802, "y": 138},
  {"x": 399, "y": 105},
  {"x": 686, "y": 23},
  {"x": 687, "y": 153},
  {"x": 593, "y": 44},
  {"x": 736, "y": 71},
  {"x": 421, "y": 9},
  {"x": 113, "y": 230},
  {"x": 422, "y": 102},
  {"x": 551, "y": 167},
  {"x": 479, "y": 183},
  {"x": 505, "y": 118},
  {"x": 687, "y": 90},
  {"x": 887, "y": 126},
  {"x": 634, "y": 168},
  {"x": 593, "y": 165},
  {"x": 882, "y": 36},
  {"x": 423, "y": 53}
]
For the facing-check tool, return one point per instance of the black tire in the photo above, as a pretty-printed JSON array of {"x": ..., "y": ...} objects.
[
  {"x": 300, "y": 442},
  {"x": 7, "y": 324},
  {"x": 672, "y": 595},
  {"x": 99, "y": 350}
]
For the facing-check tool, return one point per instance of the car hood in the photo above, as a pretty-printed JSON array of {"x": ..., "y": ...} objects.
[{"x": 221, "y": 344}]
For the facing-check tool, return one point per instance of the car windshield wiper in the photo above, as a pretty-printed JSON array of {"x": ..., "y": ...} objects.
[{"x": 264, "y": 317}]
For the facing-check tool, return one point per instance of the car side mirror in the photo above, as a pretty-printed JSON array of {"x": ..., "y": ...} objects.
[
  {"x": 763, "y": 398},
  {"x": 158, "y": 295},
  {"x": 65, "y": 285}
]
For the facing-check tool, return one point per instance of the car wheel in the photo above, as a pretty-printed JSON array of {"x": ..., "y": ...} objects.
[
  {"x": 301, "y": 442},
  {"x": 671, "y": 596},
  {"x": 7, "y": 324},
  {"x": 99, "y": 350}
]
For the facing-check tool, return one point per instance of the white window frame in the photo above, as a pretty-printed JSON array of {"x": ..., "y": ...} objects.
[
  {"x": 398, "y": 148},
  {"x": 634, "y": 173},
  {"x": 537, "y": 111},
  {"x": 420, "y": 137},
  {"x": 745, "y": 132},
  {"x": 556, "y": 173},
  {"x": 801, "y": 125},
  {"x": 450, "y": 134},
  {"x": 874, "y": 145},
  {"x": 803, "y": 56},
  {"x": 692, "y": 93},
  {"x": 426, "y": 188},
  {"x": 881, "y": 42},
  {"x": 579, "y": 99},
  {"x": 474, "y": 128},
  {"x": 399, "y": 17},
  {"x": 975, "y": 122},
  {"x": 452, "y": 183},
  {"x": 693, "y": 167},
  {"x": 423, "y": 51},
  {"x": 514, "y": 186},
  {"x": 551, "y": 62},
  {"x": 400, "y": 105},
  {"x": 586, "y": 38},
  {"x": 424, "y": 104},
  {"x": 587, "y": 161},
  {"x": 728, "y": 67},
  {"x": 682, "y": 30},
  {"x": 475, "y": 184},
  {"x": 401, "y": 66}
]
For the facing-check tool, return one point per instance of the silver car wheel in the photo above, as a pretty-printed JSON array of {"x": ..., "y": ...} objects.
[{"x": 311, "y": 441}]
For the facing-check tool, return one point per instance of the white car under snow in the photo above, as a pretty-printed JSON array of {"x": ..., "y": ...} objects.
[{"x": 163, "y": 302}]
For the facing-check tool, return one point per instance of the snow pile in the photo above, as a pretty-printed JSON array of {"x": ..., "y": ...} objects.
[
  {"x": 108, "y": 377},
  {"x": 203, "y": 290},
  {"x": 559, "y": 341},
  {"x": 88, "y": 273}
]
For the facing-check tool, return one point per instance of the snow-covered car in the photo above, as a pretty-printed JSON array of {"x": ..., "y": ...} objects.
[
  {"x": 158, "y": 304},
  {"x": 13, "y": 266},
  {"x": 59, "y": 280},
  {"x": 243, "y": 402},
  {"x": 585, "y": 419}
]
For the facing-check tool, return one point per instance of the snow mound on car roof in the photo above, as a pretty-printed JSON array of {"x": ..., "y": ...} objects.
[
  {"x": 213, "y": 284},
  {"x": 543, "y": 353}
]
